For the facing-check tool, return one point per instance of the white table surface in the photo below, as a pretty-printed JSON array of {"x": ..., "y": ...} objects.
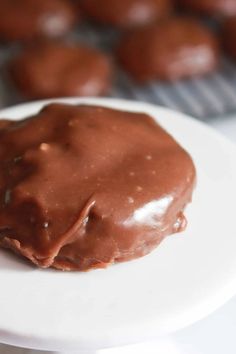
[{"x": 213, "y": 335}]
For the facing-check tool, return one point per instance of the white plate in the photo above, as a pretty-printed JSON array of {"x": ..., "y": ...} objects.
[{"x": 187, "y": 277}]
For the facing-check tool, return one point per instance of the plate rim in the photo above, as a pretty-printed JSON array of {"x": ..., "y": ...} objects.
[{"x": 19, "y": 339}]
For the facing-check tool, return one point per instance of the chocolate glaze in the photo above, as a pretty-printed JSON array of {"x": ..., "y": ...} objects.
[
  {"x": 210, "y": 7},
  {"x": 128, "y": 13},
  {"x": 83, "y": 187},
  {"x": 54, "y": 69},
  {"x": 27, "y": 19},
  {"x": 229, "y": 36},
  {"x": 174, "y": 49}
]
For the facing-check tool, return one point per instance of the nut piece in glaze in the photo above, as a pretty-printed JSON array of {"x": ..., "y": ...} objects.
[
  {"x": 229, "y": 36},
  {"x": 83, "y": 187},
  {"x": 210, "y": 7},
  {"x": 29, "y": 19},
  {"x": 57, "y": 70},
  {"x": 174, "y": 49},
  {"x": 128, "y": 13}
]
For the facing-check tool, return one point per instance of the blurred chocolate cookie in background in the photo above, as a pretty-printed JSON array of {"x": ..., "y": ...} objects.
[
  {"x": 55, "y": 69},
  {"x": 229, "y": 36},
  {"x": 101, "y": 24},
  {"x": 174, "y": 49},
  {"x": 126, "y": 14},
  {"x": 29, "y": 19},
  {"x": 210, "y": 7}
]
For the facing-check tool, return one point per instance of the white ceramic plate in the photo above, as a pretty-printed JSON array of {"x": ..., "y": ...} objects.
[{"x": 187, "y": 277}]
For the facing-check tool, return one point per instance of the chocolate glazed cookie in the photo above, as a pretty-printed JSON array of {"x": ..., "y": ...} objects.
[
  {"x": 54, "y": 69},
  {"x": 174, "y": 49},
  {"x": 128, "y": 13},
  {"x": 84, "y": 187},
  {"x": 28, "y": 19},
  {"x": 229, "y": 36},
  {"x": 210, "y": 7}
]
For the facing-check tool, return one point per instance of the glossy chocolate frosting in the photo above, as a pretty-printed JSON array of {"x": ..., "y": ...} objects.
[
  {"x": 57, "y": 69},
  {"x": 177, "y": 48},
  {"x": 128, "y": 13},
  {"x": 229, "y": 36},
  {"x": 210, "y": 7},
  {"x": 28, "y": 19},
  {"x": 83, "y": 187}
]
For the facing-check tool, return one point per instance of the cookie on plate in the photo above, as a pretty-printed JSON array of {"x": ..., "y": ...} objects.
[{"x": 84, "y": 187}]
